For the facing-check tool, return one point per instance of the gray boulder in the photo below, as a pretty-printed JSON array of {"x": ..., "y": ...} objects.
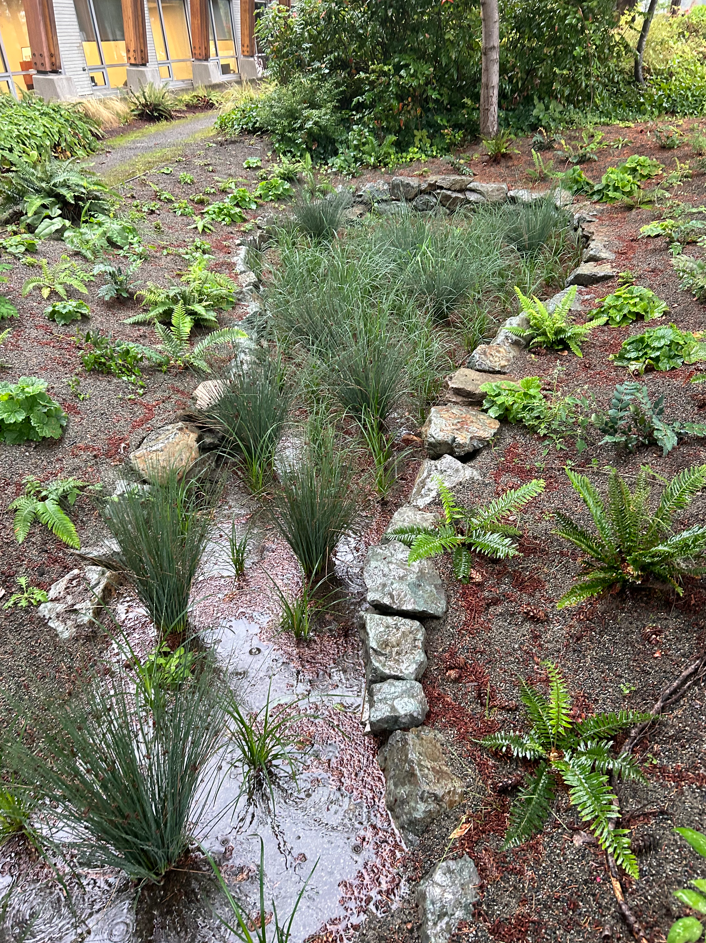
[
  {"x": 105, "y": 554},
  {"x": 424, "y": 203},
  {"x": 451, "y": 472},
  {"x": 419, "y": 784},
  {"x": 464, "y": 386},
  {"x": 457, "y": 430},
  {"x": 446, "y": 897},
  {"x": 590, "y": 273},
  {"x": 376, "y": 192},
  {"x": 396, "y": 586},
  {"x": 597, "y": 252},
  {"x": 76, "y": 600},
  {"x": 505, "y": 338},
  {"x": 557, "y": 299},
  {"x": 451, "y": 200},
  {"x": 394, "y": 648},
  {"x": 492, "y": 192},
  {"x": 455, "y": 182},
  {"x": 171, "y": 449},
  {"x": 408, "y": 516},
  {"x": 491, "y": 358},
  {"x": 396, "y": 705},
  {"x": 404, "y": 188}
]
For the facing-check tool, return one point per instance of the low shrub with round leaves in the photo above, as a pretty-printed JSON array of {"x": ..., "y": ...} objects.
[
  {"x": 28, "y": 412},
  {"x": 64, "y": 312}
]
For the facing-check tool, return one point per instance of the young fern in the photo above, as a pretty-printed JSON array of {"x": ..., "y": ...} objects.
[
  {"x": 576, "y": 754},
  {"x": 480, "y": 530},
  {"x": 552, "y": 330},
  {"x": 634, "y": 545},
  {"x": 175, "y": 345},
  {"x": 48, "y": 505}
]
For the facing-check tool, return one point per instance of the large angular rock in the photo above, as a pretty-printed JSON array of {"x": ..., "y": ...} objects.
[
  {"x": 393, "y": 648},
  {"x": 451, "y": 200},
  {"x": 376, "y": 192},
  {"x": 451, "y": 472},
  {"x": 407, "y": 516},
  {"x": 505, "y": 338},
  {"x": 446, "y": 897},
  {"x": 491, "y": 358},
  {"x": 450, "y": 182},
  {"x": 173, "y": 448},
  {"x": 396, "y": 586},
  {"x": 464, "y": 386},
  {"x": 597, "y": 252},
  {"x": 396, "y": 705},
  {"x": 457, "y": 430},
  {"x": 424, "y": 203},
  {"x": 590, "y": 273},
  {"x": 474, "y": 198},
  {"x": 76, "y": 600},
  {"x": 404, "y": 188},
  {"x": 492, "y": 192},
  {"x": 557, "y": 299},
  {"x": 419, "y": 785}
]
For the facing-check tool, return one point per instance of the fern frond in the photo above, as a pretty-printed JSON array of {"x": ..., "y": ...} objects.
[
  {"x": 608, "y": 725},
  {"x": 559, "y": 701},
  {"x": 25, "y": 508},
  {"x": 509, "y": 503},
  {"x": 590, "y": 792},
  {"x": 689, "y": 544},
  {"x": 519, "y": 745},
  {"x": 182, "y": 325},
  {"x": 598, "y": 582},
  {"x": 582, "y": 539},
  {"x": 590, "y": 497},
  {"x": 223, "y": 336},
  {"x": 451, "y": 511},
  {"x": 491, "y": 545},
  {"x": 677, "y": 496},
  {"x": 530, "y": 810},
  {"x": 142, "y": 317},
  {"x": 625, "y": 514},
  {"x": 431, "y": 545},
  {"x": 538, "y": 710},
  {"x": 597, "y": 753},
  {"x": 407, "y": 535},
  {"x": 462, "y": 564},
  {"x": 58, "y": 522}
]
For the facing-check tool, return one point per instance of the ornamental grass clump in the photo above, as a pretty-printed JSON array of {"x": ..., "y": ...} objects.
[
  {"x": 128, "y": 785},
  {"x": 321, "y": 219},
  {"x": 530, "y": 227},
  {"x": 634, "y": 544},
  {"x": 316, "y": 504},
  {"x": 162, "y": 536},
  {"x": 576, "y": 755}
]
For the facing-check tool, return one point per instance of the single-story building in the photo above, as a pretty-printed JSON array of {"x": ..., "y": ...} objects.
[{"x": 74, "y": 48}]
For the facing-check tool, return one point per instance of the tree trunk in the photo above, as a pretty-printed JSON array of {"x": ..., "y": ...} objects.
[
  {"x": 623, "y": 5},
  {"x": 640, "y": 51},
  {"x": 674, "y": 7},
  {"x": 490, "y": 70}
]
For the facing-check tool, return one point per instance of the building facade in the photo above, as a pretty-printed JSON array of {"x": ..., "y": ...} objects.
[{"x": 76, "y": 48}]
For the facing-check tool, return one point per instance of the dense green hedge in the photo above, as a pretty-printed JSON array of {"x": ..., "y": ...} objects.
[{"x": 32, "y": 128}]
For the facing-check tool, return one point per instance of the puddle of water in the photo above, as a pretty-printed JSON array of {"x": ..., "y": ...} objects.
[{"x": 333, "y": 817}]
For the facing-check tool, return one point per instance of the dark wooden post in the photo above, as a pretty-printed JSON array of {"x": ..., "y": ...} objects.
[
  {"x": 247, "y": 27},
  {"x": 135, "y": 26},
  {"x": 200, "y": 38},
  {"x": 41, "y": 29}
]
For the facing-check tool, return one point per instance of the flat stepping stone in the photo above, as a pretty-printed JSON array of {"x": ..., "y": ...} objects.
[
  {"x": 457, "y": 430},
  {"x": 401, "y": 588},
  {"x": 394, "y": 648},
  {"x": 491, "y": 358},
  {"x": 590, "y": 273},
  {"x": 465, "y": 385},
  {"x": 451, "y": 472},
  {"x": 445, "y": 897},
  {"x": 396, "y": 705},
  {"x": 419, "y": 784}
]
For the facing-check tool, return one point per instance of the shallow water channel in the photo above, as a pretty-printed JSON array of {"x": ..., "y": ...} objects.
[{"x": 332, "y": 819}]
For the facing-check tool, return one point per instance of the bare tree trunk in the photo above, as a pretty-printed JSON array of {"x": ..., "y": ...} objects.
[
  {"x": 490, "y": 70},
  {"x": 640, "y": 51},
  {"x": 674, "y": 7},
  {"x": 623, "y": 5}
]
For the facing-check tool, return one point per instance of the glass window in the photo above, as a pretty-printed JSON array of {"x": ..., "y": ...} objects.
[
  {"x": 176, "y": 29},
  {"x": 91, "y": 49},
  {"x": 157, "y": 31},
  {"x": 223, "y": 22},
  {"x": 13, "y": 29},
  {"x": 109, "y": 16},
  {"x": 98, "y": 79}
]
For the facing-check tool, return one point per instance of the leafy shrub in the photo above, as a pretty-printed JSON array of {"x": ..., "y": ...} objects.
[
  {"x": 690, "y": 929},
  {"x": 7, "y": 309},
  {"x": 692, "y": 275},
  {"x": 20, "y": 244},
  {"x": 499, "y": 146},
  {"x": 33, "y": 129},
  {"x": 251, "y": 414},
  {"x": 659, "y": 348},
  {"x": 162, "y": 538},
  {"x": 117, "y": 358},
  {"x": 28, "y": 412},
  {"x": 58, "y": 278},
  {"x": 633, "y": 420},
  {"x": 51, "y": 196},
  {"x": 316, "y": 505},
  {"x": 575, "y": 754},
  {"x": 201, "y": 294},
  {"x": 64, "y": 312},
  {"x": 99, "y": 235},
  {"x": 525, "y": 403},
  {"x": 635, "y": 545},
  {"x": 240, "y": 196},
  {"x": 230, "y": 210},
  {"x": 269, "y": 191},
  {"x": 668, "y": 138},
  {"x": 628, "y": 303},
  {"x": 552, "y": 330},
  {"x": 48, "y": 505},
  {"x": 461, "y": 531},
  {"x": 151, "y": 103},
  {"x": 128, "y": 785}
]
